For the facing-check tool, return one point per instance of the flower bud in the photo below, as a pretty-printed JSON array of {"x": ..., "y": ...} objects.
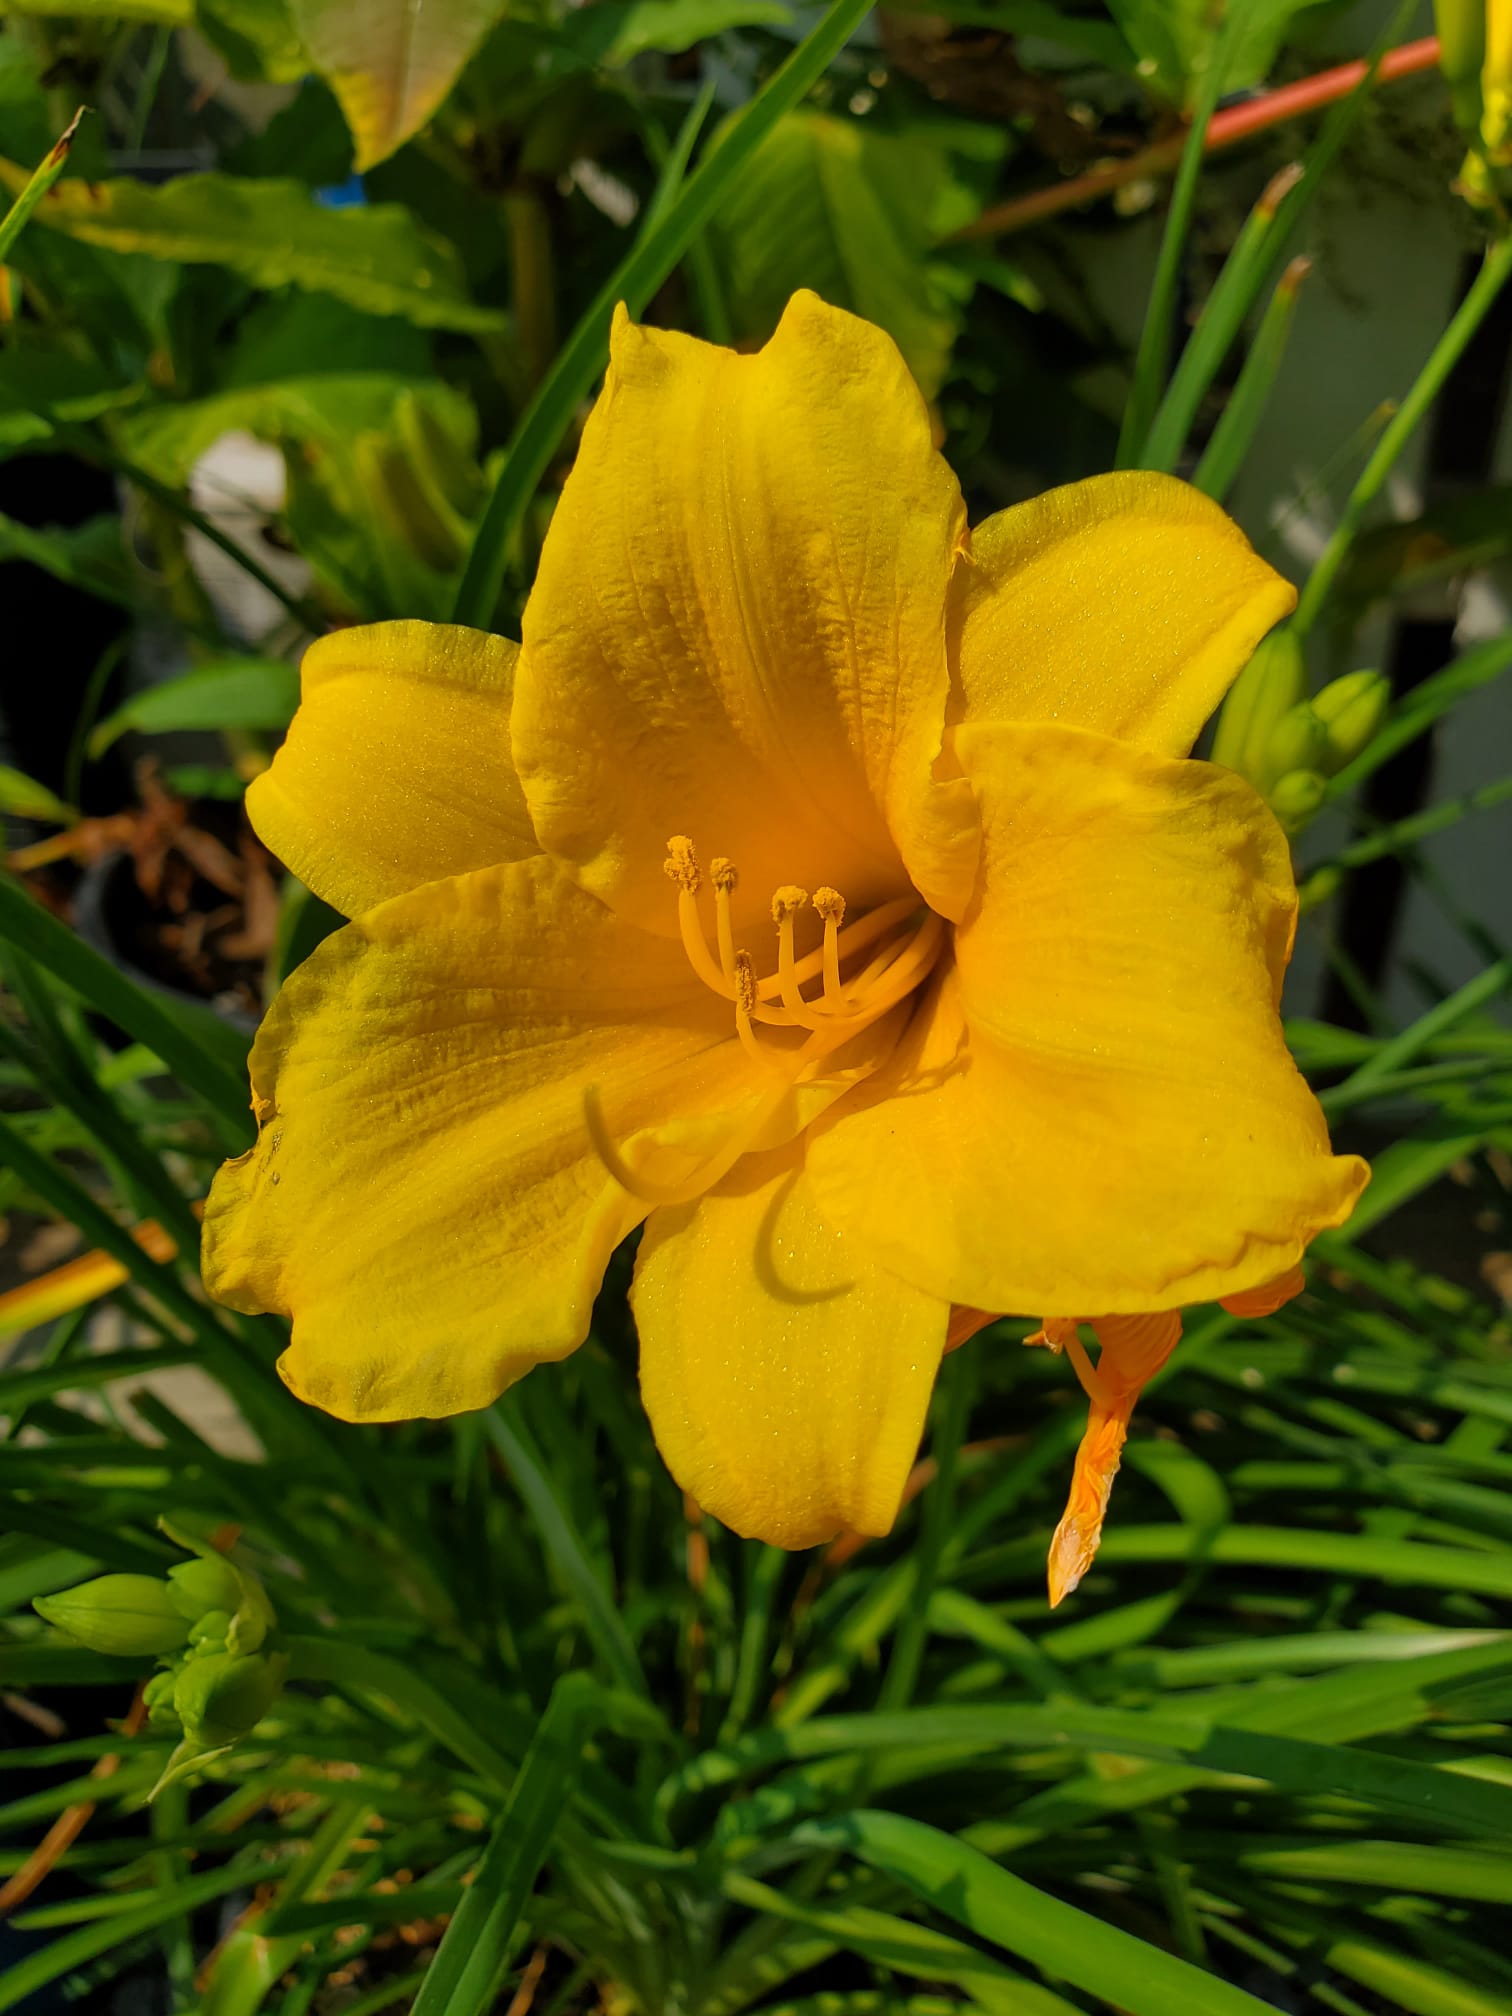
[
  {"x": 1274, "y": 680},
  {"x": 157, "y": 1699},
  {"x": 1461, "y": 26},
  {"x": 1295, "y": 742},
  {"x": 129, "y": 1615},
  {"x": 222, "y": 1698},
  {"x": 213, "y": 1629},
  {"x": 1496, "y": 85},
  {"x": 204, "y": 1584},
  {"x": 1296, "y": 798},
  {"x": 1351, "y": 709}
]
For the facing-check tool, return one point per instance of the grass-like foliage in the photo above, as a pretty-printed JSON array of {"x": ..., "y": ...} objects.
[{"x": 483, "y": 1714}]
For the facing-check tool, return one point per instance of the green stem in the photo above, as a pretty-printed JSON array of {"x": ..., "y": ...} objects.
[
  {"x": 531, "y": 270},
  {"x": 15, "y": 219},
  {"x": 546, "y": 420},
  {"x": 1153, "y": 360},
  {"x": 1409, "y": 416},
  {"x": 1223, "y": 457}
]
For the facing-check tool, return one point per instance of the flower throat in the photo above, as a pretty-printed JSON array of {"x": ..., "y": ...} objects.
[{"x": 852, "y": 993}]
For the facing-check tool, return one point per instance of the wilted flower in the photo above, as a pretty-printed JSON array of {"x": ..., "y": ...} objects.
[{"x": 962, "y": 993}]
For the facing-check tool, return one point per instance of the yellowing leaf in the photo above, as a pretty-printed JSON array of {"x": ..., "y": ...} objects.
[
  {"x": 273, "y": 232},
  {"x": 391, "y": 63}
]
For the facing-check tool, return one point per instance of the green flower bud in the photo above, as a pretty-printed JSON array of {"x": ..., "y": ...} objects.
[
  {"x": 129, "y": 1615},
  {"x": 214, "y": 1628},
  {"x": 157, "y": 1698},
  {"x": 1351, "y": 709},
  {"x": 1297, "y": 797},
  {"x": 201, "y": 1585},
  {"x": 1295, "y": 742},
  {"x": 1274, "y": 680},
  {"x": 222, "y": 1698},
  {"x": 252, "y": 1616}
]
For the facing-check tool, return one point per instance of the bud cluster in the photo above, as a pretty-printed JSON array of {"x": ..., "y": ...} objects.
[
  {"x": 1287, "y": 743},
  {"x": 210, "y": 1627}
]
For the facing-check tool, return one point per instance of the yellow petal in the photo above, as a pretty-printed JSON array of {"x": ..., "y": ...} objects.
[
  {"x": 786, "y": 1375},
  {"x": 1127, "y": 604},
  {"x": 424, "y": 1198},
  {"x": 396, "y": 771},
  {"x": 1133, "y": 1350},
  {"x": 737, "y": 631},
  {"x": 1095, "y": 1108}
]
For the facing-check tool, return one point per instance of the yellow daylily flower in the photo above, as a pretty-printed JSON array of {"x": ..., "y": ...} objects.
[{"x": 962, "y": 992}]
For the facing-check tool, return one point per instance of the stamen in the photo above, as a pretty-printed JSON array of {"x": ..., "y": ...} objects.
[
  {"x": 865, "y": 931},
  {"x": 722, "y": 875},
  {"x": 681, "y": 866},
  {"x": 831, "y": 907},
  {"x": 744, "y": 977},
  {"x": 786, "y": 903}
]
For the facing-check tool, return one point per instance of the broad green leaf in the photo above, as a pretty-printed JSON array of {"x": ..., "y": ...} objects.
[
  {"x": 274, "y": 234},
  {"x": 89, "y": 557},
  {"x": 615, "y": 31},
  {"x": 854, "y": 212},
  {"x": 235, "y": 693},
  {"x": 391, "y": 63},
  {"x": 257, "y": 38},
  {"x": 41, "y": 387},
  {"x": 1067, "y": 1944},
  {"x": 328, "y": 412},
  {"x": 171, "y": 13},
  {"x": 1085, "y": 38},
  {"x": 23, "y": 798},
  {"x": 1172, "y": 40}
]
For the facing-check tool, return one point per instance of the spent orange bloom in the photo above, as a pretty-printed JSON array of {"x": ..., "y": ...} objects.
[{"x": 962, "y": 992}]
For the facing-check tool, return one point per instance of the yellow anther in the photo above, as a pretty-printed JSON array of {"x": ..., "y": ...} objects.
[
  {"x": 787, "y": 902},
  {"x": 745, "y": 983},
  {"x": 831, "y": 906},
  {"x": 722, "y": 873},
  {"x": 682, "y": 864}
]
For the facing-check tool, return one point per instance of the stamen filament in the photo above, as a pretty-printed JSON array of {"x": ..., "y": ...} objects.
[
  {"x": 865, "y": 931},
  {"x": 831, "y": 907},
  {"x": 696, "y": 945},
  {"x": 745, "y": 1002},
  {"x": 786, "y": 904},
  {"x": 722, "y": 875}
]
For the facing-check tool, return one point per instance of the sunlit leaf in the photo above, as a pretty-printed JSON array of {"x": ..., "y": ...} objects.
[
  {"x": 274, "y": 234},
  {"x": 391, "y": 63},
  {"x": 854, "y": 212}
]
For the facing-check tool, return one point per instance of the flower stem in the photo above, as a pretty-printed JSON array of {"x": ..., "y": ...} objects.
[
  {"x": 1447, "y": 352},
  {"x": 1226, "y": 129}
]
